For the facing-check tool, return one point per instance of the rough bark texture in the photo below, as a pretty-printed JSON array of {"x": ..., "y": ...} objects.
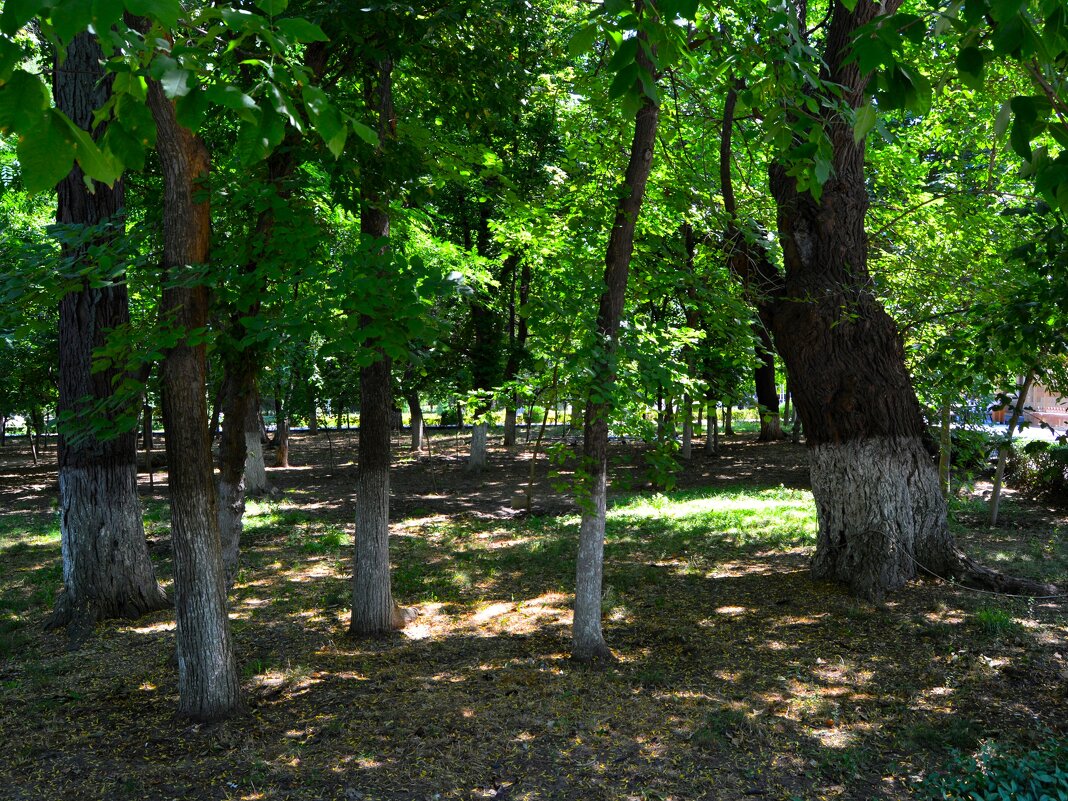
[
  {"x": 415, "y": 414},
  {"x": 587, "y": 638},
  {"x": 373, "y": 609},
  {"x": 873, "y": 475},
  {"x": 208, "y": 683},
  {"x": 107, "y": 571}
]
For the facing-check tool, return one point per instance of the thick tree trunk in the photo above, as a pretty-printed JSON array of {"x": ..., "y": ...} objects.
[
  {"x": 882, "y": 517},
  {"x": 374, "y": 612},
  {"x": 147, "y": 440},
  {"x": 587, "y": 638},
  {"x": 415, "y": 412},
  {"x": 107, "y": 571},
  {"x": 208, "y": 684}
]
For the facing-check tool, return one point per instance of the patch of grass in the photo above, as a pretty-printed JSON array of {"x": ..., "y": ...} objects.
[
  {"x": 720, "y": 726},
  {"x": 995, "y": 621}
]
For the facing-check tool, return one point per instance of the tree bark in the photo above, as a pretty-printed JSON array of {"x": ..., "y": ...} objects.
[
  {"x": 374, "y": 611},
  {"x": 728, "y": 413},
  {"x": 687, "y": 427},
  {"x": 239, "y": 414},
  {"x": 712, "y": 435},
  {"x": 882, "y": 518},
  {"x": 1006, "y": 446},
  {"x": 517, "y": 335},
  {"x": 477, "y": 460},
  {"x": 415, "y": 412},
  {"x": 208, "y": 684},
  {"x": 767, "y": 392},
  {"x": 587, "y": 638},
  {"x": 107, "y": 571}
]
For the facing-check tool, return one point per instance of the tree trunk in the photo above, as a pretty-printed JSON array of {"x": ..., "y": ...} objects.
[
  {"x": 510, "y": 423},
  {"x": 766, "y": 391},
  {"x": 728, "y": 428},
  {"x": 587, "y": 638},
  {"x": 712, "y": 435},
  {"x": 147, "y": 441},
  {"x": 477, "y": 460},
  {"x": 687, "y": 427},
  {"x": 881, "y": 515},
  {"x": 313, "y": 417},
  {"x": 415, "y": 411},
  {"x": 239, "y": 414},
  {"x": 107, "y": 571},
  {"x": 945, "y": 450},
  {"x": 255, "y": 469},
  {"x": 208, "y": 684},
  {"x": 3, "y": 430},
  {"x": 1006, "y": 446},
  {"x": 374, "y": 612}
]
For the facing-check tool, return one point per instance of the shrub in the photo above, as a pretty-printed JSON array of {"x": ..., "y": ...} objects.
[
  {"x": 973, "y": 448},
  {"x": 1040, "y": 469},
  {"x": 1002, "y": 773}
]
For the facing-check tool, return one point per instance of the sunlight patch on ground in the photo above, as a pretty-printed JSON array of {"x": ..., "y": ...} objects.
[{"x": 155, "y": 628}]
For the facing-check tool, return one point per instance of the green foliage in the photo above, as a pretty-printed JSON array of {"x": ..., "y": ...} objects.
[
  {"x": 1002, "y": 772},
  {"x": 1040, "y": 469},
  {"x": 995, "y": 621}
]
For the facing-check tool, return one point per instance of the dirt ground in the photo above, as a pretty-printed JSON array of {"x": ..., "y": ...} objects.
[{"x": 738, "y": 676}]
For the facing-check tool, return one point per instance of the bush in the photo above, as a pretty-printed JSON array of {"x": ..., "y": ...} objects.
[
  {"x": 973, "y": 448},
  {"x": 1003, "y": 773},
  {"x": 1041, "y": 470}
]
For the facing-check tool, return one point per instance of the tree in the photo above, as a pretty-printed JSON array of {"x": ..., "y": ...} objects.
[
  {"x": 107, "y": 571},
  {"x": 208, "y": 683}
]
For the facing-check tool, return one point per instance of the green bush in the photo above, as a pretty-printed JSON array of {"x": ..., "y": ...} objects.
[
  {"x": 1040, "y": 469},
  {"x": 973, "y": 448},
  {"x": 1002, "y": 773}
]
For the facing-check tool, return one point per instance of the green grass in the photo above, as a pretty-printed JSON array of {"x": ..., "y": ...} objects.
[
  {"x": 30, "y": 574},
  {"x": 995, "y": 621}
]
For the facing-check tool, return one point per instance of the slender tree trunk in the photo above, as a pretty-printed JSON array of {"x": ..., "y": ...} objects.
[
  {"x": 313, "y": 417},
  {"x": 517, "y": 341},
  {"x": 882, "y": 517},
  {"x": 208, "y": 684},
  {"x": 712, "y": 436},
  {"x": 281, "y": 430},
  {"x": 766, "y": 391},
  {"x": 687, "y": 427},
  {"x": 1006, "y": 446},
  {"x": 107, "y": 571},
  {"x": 786, "y": 409},
  {"x": 510, "y": 423},
  {"x": 588, "y": 640},
  {"x": 239, "y": 404},
  {"x": 146, "y": 431},
  {"x": 3, "y": 430},
  {"x": 374, "y": 612},
  {"x": 945, "y": 450},
  {"x": 699, "y": 425},
  {"x": 415, "y": 411},
  {"x": 728, "y": 428}
]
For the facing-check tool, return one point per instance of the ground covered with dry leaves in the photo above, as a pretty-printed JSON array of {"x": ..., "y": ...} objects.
[{"x": 738, "y": 676}]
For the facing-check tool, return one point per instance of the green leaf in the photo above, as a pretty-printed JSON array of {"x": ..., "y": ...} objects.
[
  {"x": 71, "y": 17},
  {"x": 1001, "y": 124},
  {"x": 125, "y": 147},
  {"x": 18, "y": 12},
  {"x": 272, "y": 8},
  {"x": 99, "y": 166},
  {"x": 231, "y": 97},
  {"x": 365, "y": 133},
  {"x": 106, "y": 13},
  {"x": 22, "y": 99},
  {"x": 165, "y": 12},
  {"x": 192, "y": 109},
  {"x": 326, "y": 119},
  {"x": 583, "y": 40},
  {"x": 175, "y": 83},
  {"x": 46, "y": 154},
  {"x": 624, "y": 81},
  {"x": 970, "y": 64},
  {"x": 624, "y": 55},
  {"x": 300, "y": 30},
  {"x": 866, "y": 117}
]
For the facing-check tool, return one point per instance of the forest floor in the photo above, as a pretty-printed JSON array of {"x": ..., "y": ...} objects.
[{"x": 739, "y": 677}]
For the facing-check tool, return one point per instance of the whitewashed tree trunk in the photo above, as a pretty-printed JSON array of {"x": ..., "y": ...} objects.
[
  {"x": 477, "y": 461},
  {"x": 255, "y": 469}
]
